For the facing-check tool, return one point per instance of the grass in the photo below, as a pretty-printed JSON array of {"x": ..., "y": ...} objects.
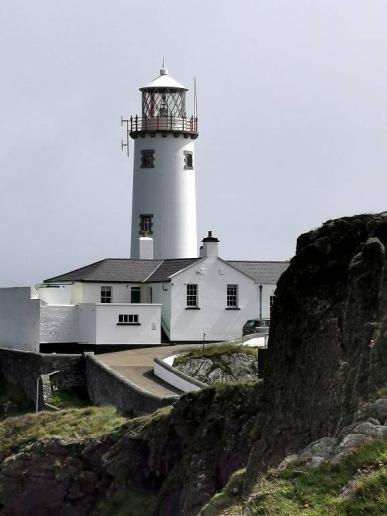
[
  {"x": 69, "y": 399},
  {"x": 215, "y": 352},
  {"x": 17, "y": 432},
  {"x": 314, "y": 492}
]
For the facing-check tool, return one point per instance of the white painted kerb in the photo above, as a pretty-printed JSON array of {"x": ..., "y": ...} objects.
[{"x": 163, "y": 368}]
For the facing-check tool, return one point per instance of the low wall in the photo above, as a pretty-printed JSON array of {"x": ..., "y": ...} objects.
[
  {"x": 164, "y": 370},
  {"x": 107, "y": 387},
  {"x": 24, "y": 368},
  {"x": 19, "y": 319}
]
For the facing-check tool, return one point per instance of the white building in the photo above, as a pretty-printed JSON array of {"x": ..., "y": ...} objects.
[
  {"x": 124, "y": 302},
  {"x": 165, "y": 288}
]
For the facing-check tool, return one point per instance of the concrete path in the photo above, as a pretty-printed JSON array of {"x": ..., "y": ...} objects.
[{"x": 137, "y": 366}]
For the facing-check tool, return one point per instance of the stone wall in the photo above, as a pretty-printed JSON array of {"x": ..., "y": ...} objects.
[
  {"x": 24, "y": 368},
  {"x": 106, "y": 387}
]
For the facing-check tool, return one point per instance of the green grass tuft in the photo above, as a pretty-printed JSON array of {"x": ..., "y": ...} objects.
[
  {"x": 314, "y": 492},
  {"x": 17, "y": 432},
  {"x": 215, "y": 352}
]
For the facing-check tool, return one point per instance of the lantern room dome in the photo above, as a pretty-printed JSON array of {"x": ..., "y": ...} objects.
[{"x": 164, "y": 80}]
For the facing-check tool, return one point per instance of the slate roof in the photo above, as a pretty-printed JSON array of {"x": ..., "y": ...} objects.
[
  {"x": 124, "y": 270},
  {"x": 262, "y": 272},
  {"x": 112, "y": 270}
]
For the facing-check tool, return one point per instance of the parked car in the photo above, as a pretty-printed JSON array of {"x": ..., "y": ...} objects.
[{"x": 256, "y": 326}]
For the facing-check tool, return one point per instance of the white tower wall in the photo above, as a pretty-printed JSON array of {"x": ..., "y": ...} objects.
[{"x": 167, "y": 192}]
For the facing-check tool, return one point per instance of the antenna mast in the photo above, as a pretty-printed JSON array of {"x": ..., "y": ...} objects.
[
  {"x": 125, "y": 122},
  {"x": 195, "y": 99}
]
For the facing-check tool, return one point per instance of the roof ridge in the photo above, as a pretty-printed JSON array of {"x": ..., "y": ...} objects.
[
  {"x": 149, "y": 275},
  {"x": 260, "y": 261}
]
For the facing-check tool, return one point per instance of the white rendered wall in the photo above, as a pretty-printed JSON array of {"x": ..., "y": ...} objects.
[
  {"x": 121, "y": 292},
  {"x": 58, "y": 323},
  {"x": 212, "y": 318},
  {"x": 19, "y": 319},
  {"x": 168, "y": 192},
  {"x": 108, "y": 332},
  {"x": 87, "y": 317},
  {"x": 56, "y": 294},
  {"x": 161, "y": 293},
  {"x": 267, "y": 291}
]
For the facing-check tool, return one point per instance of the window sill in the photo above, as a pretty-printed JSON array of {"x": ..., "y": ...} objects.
[
  {"x": 192, "y": 308},
  {"x": 128, "y": 324},
  {"x": 232, "y": 308}
]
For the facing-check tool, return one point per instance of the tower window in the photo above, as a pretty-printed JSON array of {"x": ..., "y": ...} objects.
[
  {"x": 192, "y": 296},
  {"x": 188, "y": 160},
  {"x": 106, "y": 294},
  {"x": 147, "y": 158},
  {"x": 232, "y": 296},
  {"x": 146, "y": 225}
]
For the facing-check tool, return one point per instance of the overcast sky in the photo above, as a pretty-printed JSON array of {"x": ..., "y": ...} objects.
[{"x": 292, "y": 113}]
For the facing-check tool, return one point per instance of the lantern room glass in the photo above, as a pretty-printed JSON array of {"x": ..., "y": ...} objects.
[{"x": 163, "y": 102}]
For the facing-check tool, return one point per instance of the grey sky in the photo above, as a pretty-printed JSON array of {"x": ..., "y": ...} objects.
[{"x": 292, "y": 113}]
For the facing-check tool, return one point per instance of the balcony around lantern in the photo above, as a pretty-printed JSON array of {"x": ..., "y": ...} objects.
[{"x": 139, "y": 126}]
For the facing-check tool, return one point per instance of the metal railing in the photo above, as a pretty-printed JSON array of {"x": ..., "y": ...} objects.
[{"x": 171, "y": 123}]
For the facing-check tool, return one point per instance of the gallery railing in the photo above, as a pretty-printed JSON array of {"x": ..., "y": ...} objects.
[{"x": 137, "y": 124}]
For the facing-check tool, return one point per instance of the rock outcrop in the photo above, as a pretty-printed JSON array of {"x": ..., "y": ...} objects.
[
  {"x": 328, "y": 337},
  {"x": 174, "y": 461},
  {"x": 228, "y": 368}
]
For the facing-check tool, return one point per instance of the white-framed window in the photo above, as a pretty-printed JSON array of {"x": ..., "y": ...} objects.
[
  {"x": 271, "y": 304},
  {"x": 188, "y": 160},
  {"x": 232, "y": 296},
  {"x": 147, "y": 158},
  {"x": 192, "y": 295},
  {"x": 128, "y": 319},
  {"x": 106, "y": 294}
]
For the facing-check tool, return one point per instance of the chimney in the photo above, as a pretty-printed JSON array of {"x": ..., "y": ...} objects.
[
  {"x": 210, "y": 245},
  {"x": 145, "y": 248}
]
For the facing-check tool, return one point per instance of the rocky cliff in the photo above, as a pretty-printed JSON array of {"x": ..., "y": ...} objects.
[
  {"x": 168, "y": 463},
  {"x": 328, "y": 337}
]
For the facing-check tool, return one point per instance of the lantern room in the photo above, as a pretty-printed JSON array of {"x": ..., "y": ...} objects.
[
  {"x": 163, "y": 97},
  {"x": 163, "y": 109}
]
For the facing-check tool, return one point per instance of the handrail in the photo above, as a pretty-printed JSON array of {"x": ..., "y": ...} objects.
[{"x": 163, "y": 123}]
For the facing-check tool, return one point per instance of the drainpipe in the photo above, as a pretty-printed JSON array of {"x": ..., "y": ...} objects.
[{"x": 260, "y": 302}]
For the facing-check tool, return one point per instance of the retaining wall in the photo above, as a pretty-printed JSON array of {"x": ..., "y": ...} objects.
[
  {"x": 24, "y": 368},
  {"x": 107, "y": 387}
]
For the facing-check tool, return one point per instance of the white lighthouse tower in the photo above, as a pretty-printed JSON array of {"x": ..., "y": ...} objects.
[{"x": 164, "y": 195}]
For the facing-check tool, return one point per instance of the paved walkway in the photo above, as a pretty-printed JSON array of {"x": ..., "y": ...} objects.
[{"x": 137, "y": 366}]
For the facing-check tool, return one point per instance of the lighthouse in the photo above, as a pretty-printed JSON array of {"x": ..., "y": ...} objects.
[{"x": 164, "y": 193}]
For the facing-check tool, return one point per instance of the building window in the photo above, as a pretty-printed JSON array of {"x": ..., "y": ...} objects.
[
  {"x": 146, "y": 225},
  {"x": 147, "y": 158},
  {"x": 232, "y": 296},
  {"x": 192, "y": 296},
  {"x": 188, "y": 160},
  {"x": 106, "y": 294},
  {"x": 271, "y": 304},
  {"x": 128, "y": 319},
  {"x": 135, "y": 295}
]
